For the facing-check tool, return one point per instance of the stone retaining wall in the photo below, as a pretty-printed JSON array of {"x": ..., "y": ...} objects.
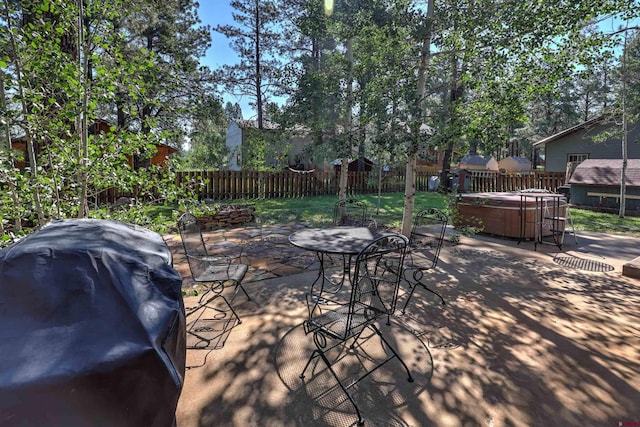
[{"x": 227, "y": 216}]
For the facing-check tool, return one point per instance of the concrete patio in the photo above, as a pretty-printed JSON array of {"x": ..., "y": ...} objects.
[{"x": 527, "y": 338}]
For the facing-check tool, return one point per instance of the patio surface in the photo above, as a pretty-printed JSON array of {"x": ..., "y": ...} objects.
[{"x": 544, "y": 338}]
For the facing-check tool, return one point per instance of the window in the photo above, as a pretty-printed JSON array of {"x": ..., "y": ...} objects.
[
  {"x": 577, "y": 158},
  {"x": 238, "y": 159}
]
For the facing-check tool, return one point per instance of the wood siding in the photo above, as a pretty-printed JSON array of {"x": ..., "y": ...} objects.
[
  {"x": 580, "y": 197},
  {"x": 581, "y": 142}
]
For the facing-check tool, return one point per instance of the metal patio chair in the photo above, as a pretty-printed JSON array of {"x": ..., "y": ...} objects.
[
  {"x": 350, "y": 212},
  {"x": 557, "y": 215},
  {"x": 215, "y": 271},
  {"x": 373, "y": 294},
  {"x": 425, "y": 243}
]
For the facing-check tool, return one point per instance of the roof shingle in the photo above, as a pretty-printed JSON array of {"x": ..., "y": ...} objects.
[{"x": 606, "y": 172}]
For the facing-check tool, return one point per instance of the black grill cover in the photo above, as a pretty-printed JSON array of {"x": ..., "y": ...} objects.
[{"x": 92, "y": 328}]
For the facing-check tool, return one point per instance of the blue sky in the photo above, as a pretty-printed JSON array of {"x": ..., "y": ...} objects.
[{"x": 218, "y": 12}]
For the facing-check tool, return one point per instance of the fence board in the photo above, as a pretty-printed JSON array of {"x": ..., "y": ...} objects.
[
  {"x": 231, "y": 185},
  {"x": 484, "y": 181}
]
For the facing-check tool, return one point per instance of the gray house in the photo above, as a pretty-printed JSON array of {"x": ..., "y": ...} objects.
[
  {"x": 596, "y": 183},
  {"x": 238, "y": 131},
  {"x": 237, "y": 136},
  {"x": 576, "y": 144}
]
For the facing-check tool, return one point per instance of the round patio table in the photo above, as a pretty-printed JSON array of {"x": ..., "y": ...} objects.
[
  {"x": 335, "y": 240},
  {"x": 344, "y": 241}
]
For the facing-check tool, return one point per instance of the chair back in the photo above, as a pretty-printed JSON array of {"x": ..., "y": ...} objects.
[
  {"x": 427, "y": 235},
  {"x": 350, "y": 212},
  {"x": 373, "y": 292},
  {"x": 375, "y": 282},
  {"x": 193, "y": 243}
]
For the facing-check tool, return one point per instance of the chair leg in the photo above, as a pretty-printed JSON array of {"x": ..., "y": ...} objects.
[
  {"x": 320, "y": 353},
  {"x": 232, "y": 309},
  {"x": 313, "y": 356},
  {"x": 413, "y": 289},
  {"x": 217, "y": 295},
  {"x": 201, "y": 308},
  {"x": 433, "y": 292},
  {"x": 393, "y": 350},
  {"x": 239, "y": 287}
]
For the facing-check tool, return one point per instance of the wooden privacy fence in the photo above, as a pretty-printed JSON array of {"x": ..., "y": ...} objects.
[
  {"x": 237, "y": 185},
  {"x": 229, "y": 185},
  {"x": 225, "y": 185},
  {"x": 485, "y": 181}
]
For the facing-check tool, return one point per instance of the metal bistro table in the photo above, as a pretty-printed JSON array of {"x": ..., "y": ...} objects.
[
  {"x": 549, "y": 216},
  {"x": 344, "y": 241}
]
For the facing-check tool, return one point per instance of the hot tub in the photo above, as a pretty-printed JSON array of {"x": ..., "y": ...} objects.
[{"x": 501, "y": 214}]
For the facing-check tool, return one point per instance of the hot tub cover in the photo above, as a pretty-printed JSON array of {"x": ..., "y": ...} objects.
[{"x": 92, "y": 329}]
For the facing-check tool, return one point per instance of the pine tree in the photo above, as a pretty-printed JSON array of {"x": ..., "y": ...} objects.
[{"x": 257, "y": 42}]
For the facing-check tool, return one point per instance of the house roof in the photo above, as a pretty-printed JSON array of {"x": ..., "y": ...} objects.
[
  {"x": 581, "y": 126},
  {"x": 606, "y": 172},
  {"x": 475, "y": 159},
  {"x": 169, "y": 148},
  {"x": 518, "y": 159}
]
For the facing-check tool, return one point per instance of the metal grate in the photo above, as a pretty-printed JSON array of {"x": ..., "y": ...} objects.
[{"x": 582, "y": 263}]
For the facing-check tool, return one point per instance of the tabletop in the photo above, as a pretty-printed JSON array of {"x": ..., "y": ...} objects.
[{"x": 335, "y": 240}]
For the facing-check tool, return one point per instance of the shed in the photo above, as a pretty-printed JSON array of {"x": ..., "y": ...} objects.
[
  {"x": 477, "y": 162},
  {"x": 161, "y": 156},
  {"x": 515, "y": 164},
  {"x": 596, "y": 183},
  {"x": 355, "y": 165}
]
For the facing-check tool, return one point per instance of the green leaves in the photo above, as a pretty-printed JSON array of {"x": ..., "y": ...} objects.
[{"x": 53, "y": 83}]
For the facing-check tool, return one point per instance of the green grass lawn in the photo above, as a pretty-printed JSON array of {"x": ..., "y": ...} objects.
[
  {"x": 318, "y": 211},
  {"x": 605, "y": 223}
]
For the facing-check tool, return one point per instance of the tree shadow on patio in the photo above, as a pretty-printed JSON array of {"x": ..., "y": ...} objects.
[
  {"x": 540, "y": 344},
  {"x": 380, "y": 396},
  {"x": 520, "y": 341}
]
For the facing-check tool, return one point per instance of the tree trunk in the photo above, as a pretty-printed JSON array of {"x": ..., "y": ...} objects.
[
  {"x": 258, "y": 70},
  {"x": 380, "y": 170},
  {"x": 344, "y": 173},
  {"x": 25, "y": 112},
  {"x": 348, "y": 124},
  {"x": 12, "y": 188},
  {"x": 412, "y": 149},
  {"x": 454, "y": 90},
  {"x": 6, "y": 127},
  {"x": 623, "y": 172},
  {"x": 82, "y": 125}
]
